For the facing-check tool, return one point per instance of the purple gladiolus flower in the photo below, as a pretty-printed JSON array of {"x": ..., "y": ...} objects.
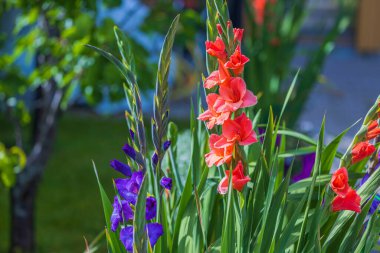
[
  {"x": 126, "y": 210},
  {"x": 120, "y": 212},
  {"x": 129, "y": 151},
  {"x": 155, "y": 159},
  {"x": 307, "y": 166},
  {"x": 126, "y": 237},
  {"x": 123, "y": 190},
  {"x": 136, "y": 181},
  {"x": 121, "y": 167},
  {"x": 151, "y": 208},
  {"x": 155, "y": 230},
  {"x": 128, "y": 188},
  {"x": 116, "y": 217},
  {"x": 132, "y": 134},
  {"x": 167, "y": 144},
  {"x": 166, "y": 182}
]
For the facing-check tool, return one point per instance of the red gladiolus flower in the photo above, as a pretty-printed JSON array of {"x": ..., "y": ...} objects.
[
  {"x": 349, "y": 202},
  {"x": 237, "y": 130},
  {"x": 373, "y": 130},
  {"x": 234, "y": 96},
  {"x": 217, "y": 49},
  {"x": 229, "y": 24},
  {"x": 211, "y": 115},
  {"x": 339, "y": 182},
  {"x": 237, "y": 61},
  {"x": 239, "y": 180},
  {"x": 217, "y": 77},
  {"x": 238, "y": 34},
  {"x": 259, "y": 7},
  {"x": 212, "y": 80},
  {"x": 361, "y": 151},
  {"x": 219, "y": 28},
  {"x": 218, "y": 156}
]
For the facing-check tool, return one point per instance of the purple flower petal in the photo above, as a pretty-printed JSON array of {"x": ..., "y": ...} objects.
[
  {"x": 129, "y": 151},
  {"x": 127, "y": 210},
  {"x": 116, "y": 217},
  {"x": 138, "y": 177},
  {"x": 132, "y": 134},
  {"x": 123, "y": 187},
  {"x": 155, "y": 230},
  {"x": 167, "y": 144},
  {"x": 155, "y": 159},
  {"x": 121, "y": 167},
  {"x": 307, "y": 166},
  {"x": 364, "y": 179},
  {"x": 151, "y": 208},
  {"x": 126, "y": 237},
  {"x": 166, "y": 182}
]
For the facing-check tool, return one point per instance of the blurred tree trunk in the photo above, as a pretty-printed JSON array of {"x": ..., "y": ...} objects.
[
  {"x": 46, "y": 105},
  {"x": 23, "y": 194}
]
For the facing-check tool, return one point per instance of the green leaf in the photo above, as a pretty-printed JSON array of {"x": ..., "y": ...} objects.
[
  {"x": 276, "y": 214},
  {"x": 330, "y": 151},
  {"x": 316, "y": 171},
  {"x": 290, "y": 226},
  {"x": 297, "y": 152},
  {"x": 263, "y": 241},
  {"x": 125, "y": 49},
  {"x": 112, "y": 240},
  {"x": 352, "y": 233},
  {"x": 121, "y": 67},
  {"x": 139, "y": 232},
  {"x": 184, "y": 201},
  {"x": 211, "y": 33},
  {"x": 228, "y": 232},
  {"x": 287, "y": 98},
  {"x": 298, "y": 136}
]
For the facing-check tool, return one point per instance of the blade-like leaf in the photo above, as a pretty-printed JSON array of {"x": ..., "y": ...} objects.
[
  {"x": 316, "y": 171},
  {"x": 139, "y": 232},
  {"x": 113, "y": 242}
]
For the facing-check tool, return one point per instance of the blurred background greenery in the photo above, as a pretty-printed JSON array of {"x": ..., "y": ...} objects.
[{"x": 62, "y": 104}]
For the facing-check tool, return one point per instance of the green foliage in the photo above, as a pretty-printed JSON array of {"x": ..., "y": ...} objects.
[
  {"x": 271, "y": 214},
  {"x": 12, "y": 161},
  {"x": 51, "y": 35}
]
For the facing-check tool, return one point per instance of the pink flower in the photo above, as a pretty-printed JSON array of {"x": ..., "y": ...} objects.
[
  {"x": 234, "y": 96},
  {"x": 237, "y": 61},
  {"x": 218, "y": 156},
  {"x": 211, "y": 115},
  {"x": 237, "y": 130},
  {"x": 238, "y": 34},
  {"x": 349, "y": 202},
  {"x": 217, "y": 49},
  {"x": 212, "y": 80},
  {"x": 217, "y": 77},
  {"x": 239, "y": 180}
]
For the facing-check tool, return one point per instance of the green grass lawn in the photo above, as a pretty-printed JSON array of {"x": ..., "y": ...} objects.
[{"x": 68, "y": 205}]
